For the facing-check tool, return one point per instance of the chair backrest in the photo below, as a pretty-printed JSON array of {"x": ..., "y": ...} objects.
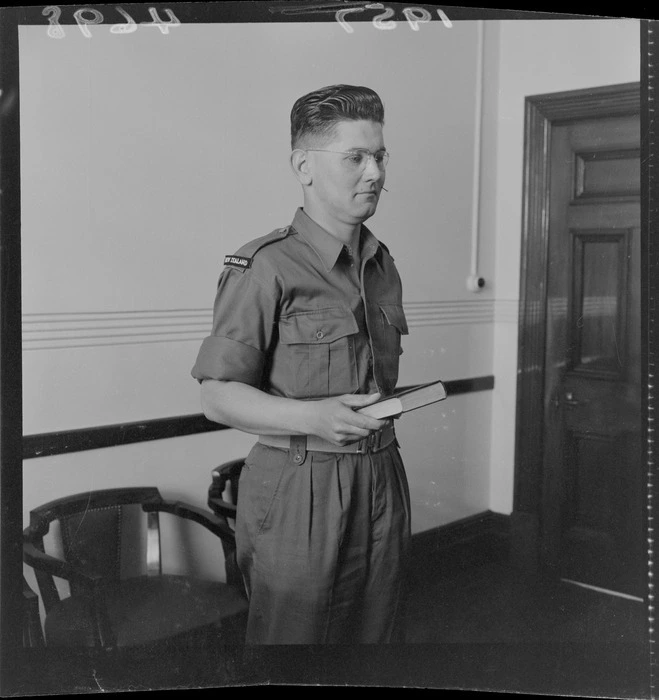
[
  {"x": 222, "y": 500},
  {"x": 90, "y": 527},
  {"x": 224, "y": 486}
]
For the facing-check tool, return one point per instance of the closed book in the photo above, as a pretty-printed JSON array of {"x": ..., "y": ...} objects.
[{"x": 407, "y": 400}]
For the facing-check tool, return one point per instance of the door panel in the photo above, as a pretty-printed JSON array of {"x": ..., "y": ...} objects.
[
  {"x": 592, "y": 491},
  {"x": 599, "y": 300},
  {"x": 607, "y": 174}
]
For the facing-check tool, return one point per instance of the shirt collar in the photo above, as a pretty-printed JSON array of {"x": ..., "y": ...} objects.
[{"x": 328, "y": 247}]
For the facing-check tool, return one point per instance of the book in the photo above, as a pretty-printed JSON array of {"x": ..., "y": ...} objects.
[{"x": 406, "y": 400}]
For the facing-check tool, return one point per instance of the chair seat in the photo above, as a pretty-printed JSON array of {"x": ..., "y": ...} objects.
[{"x": 147, "y": 609}]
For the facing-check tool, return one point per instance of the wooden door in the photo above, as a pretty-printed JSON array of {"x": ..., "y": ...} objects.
[{"x": 591, "y": 515}]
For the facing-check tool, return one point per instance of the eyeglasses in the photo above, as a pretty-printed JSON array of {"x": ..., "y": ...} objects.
[{"x": 358, "y": 158}]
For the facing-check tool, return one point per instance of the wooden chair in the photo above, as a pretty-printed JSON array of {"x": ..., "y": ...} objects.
[
  {"x": 109, "y": 608},
  {"x": 222, "y": 500}
]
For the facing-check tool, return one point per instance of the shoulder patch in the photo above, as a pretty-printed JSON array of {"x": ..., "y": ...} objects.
[
  {"x": 238, "y": 261},
  {"x": 242, "y": 260}
]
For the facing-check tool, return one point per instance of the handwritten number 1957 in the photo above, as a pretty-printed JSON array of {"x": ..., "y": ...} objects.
[
  {"x": 87, "y": 16},
  {"x": 415, "y": 16}
]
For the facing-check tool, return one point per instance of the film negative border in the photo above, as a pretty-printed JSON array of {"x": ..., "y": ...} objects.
[
  {"x": 166, "y": 17},
  {"x": 650, "y": 284},
  {"x": 11, "y": 411}
]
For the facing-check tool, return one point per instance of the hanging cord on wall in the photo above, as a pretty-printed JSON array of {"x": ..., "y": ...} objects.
[{"x": 475, "y": 282}]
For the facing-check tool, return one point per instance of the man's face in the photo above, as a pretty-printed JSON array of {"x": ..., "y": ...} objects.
[{"x": 342, "y": 191}]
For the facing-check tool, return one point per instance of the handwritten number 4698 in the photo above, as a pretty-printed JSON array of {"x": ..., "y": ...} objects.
[{"x": 82, "y": 17}]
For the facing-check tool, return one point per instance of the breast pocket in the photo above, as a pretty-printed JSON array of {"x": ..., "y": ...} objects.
[
  {"x": 393, "y": 326},
  {"x": 321, "y": 348}
]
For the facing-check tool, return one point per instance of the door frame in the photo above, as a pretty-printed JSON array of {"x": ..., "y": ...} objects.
[{"x": 541, "y": 114}]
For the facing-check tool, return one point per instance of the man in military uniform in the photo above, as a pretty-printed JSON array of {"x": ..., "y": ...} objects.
[{"x": 307, "y": 329}]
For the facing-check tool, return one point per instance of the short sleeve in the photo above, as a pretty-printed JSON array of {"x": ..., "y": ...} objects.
[{"x": 244, "y": 319}]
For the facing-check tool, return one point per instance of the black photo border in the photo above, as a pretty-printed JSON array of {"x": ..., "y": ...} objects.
[{"x": 32, "y": 672}]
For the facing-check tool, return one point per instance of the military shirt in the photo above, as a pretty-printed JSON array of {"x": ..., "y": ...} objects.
[{"x": 294, "y": 317}]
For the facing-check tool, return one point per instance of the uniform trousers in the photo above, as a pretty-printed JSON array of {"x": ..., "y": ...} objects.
[{"x": 322, "y": 546}]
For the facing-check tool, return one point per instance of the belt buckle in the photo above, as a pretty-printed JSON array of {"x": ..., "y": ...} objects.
[
  {"x": 365, "y": 445},
  {"x": 372, "y": 443},
  {"x": 375, "y": 440}
]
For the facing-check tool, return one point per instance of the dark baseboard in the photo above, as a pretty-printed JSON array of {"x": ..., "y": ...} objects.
[{"x": 471, "y": 541}]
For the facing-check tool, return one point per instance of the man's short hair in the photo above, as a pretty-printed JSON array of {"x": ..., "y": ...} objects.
[{"x": 317, "y": 113}]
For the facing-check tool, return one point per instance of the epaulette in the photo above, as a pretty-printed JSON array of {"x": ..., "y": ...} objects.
[
  {"x": 386, "y": 250},
  {"x": 242, "y": 260}
]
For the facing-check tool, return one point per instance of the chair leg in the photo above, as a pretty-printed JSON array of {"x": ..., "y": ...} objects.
[
  {"x": 105, "y": 636},
  {"x": 32, "y": 631}
]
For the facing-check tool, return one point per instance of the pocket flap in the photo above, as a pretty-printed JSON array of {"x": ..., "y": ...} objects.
[
  {"x": 322, "y": 326},
  {"x": 395, "y": 317}
]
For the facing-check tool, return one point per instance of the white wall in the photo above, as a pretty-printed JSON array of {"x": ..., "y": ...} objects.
[
  {"x": 146, "y": 158},
  {"x": 525, "y": 58}
]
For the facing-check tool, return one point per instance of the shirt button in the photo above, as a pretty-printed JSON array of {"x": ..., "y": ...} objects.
[{"x": 320, "y": 335}]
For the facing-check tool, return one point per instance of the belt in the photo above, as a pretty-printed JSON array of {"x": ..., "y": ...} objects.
[{"x": 300, "y": 444}]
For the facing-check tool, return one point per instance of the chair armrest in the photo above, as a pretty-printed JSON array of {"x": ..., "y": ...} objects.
[
  {"x": 41, "y": 561},
  {"x": 210, "y": 521},
  {"x": 219, "y": 505}
]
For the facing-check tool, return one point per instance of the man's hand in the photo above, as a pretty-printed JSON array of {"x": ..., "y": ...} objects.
[
  {"x": 249, "y": 409},
  {"x": 336, "y": 420}
]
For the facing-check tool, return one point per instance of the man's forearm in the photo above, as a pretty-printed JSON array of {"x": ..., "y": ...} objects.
[{"x": 253, "y": 411}]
